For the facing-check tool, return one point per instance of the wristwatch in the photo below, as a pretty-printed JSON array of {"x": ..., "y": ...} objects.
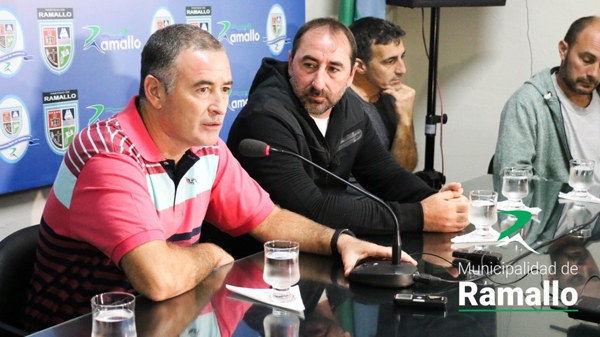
[{"x": 335, "y": 238}]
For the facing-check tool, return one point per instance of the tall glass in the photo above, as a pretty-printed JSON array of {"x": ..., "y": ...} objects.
[
  {"x": 483, "y": 212},
  {"x": 581, "y": 176},
  {"x": 281, "y": 269},
  {"x": 515, "y": 185},
  {"x": 577, "y": 215},
  {"x": 113, "y": 315},
  {"x": 281, "y": 323}
]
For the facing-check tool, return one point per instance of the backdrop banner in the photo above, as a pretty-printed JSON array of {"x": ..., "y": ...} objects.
[{"x": 66, "y": 64}]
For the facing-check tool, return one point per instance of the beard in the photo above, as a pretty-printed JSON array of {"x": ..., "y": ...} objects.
[
  {"x": 311, "y": 106},
  {"x": 566, "y": 74}
]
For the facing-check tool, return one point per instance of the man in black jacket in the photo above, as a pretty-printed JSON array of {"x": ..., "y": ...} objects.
[{"x": 301, "y": 106}]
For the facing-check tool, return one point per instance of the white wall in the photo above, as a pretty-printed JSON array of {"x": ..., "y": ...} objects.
[
  {"x": 21, "y": 209},
  {"x": 484, "y": 56}
]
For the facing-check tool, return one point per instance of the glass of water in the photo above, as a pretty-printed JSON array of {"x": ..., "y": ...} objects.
[
  {"x": 281, "y": 269},
  {"x": 281, "y": 323},
  {"x": 113, "y": 315},
  {"x": 581, "y": 176},
  {"x": 482, "y": 212},
  {"x": 515, "y": 185}
]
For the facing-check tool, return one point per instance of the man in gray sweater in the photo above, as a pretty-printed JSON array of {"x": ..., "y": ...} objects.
[
  {"x": 378, "y": 82},
  {"x": 555, "y": 116}
]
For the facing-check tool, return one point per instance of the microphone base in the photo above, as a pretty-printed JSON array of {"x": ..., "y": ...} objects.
[{"x": 384, "y": 274}]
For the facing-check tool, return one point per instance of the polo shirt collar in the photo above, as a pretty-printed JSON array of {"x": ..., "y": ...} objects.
[{"x": 133, "y": 126}]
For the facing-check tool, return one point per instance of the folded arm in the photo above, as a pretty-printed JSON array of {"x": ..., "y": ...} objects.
[
  {"x": 404, "y": 148},
  {"x": 161, "y": 270}
]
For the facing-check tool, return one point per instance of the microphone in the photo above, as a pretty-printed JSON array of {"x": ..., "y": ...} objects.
[{"x": 391, "y": 274}]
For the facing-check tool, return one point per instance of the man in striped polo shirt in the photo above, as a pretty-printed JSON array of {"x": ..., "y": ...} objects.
[{"x": 126, "y": 208}]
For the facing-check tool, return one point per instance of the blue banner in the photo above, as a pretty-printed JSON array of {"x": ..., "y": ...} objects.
[{"x": 66, "y": 64}]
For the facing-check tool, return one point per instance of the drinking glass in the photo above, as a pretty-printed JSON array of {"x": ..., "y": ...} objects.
[
  {"x": 113, "y": 315},
  {"x": 515, "y": 185},
  {"x": 281, "y": 269},
  {"x": 482, "y": 212},
  {"x": 577, "y": 215},
  {"x": 581, "y": 176},
  {"x": 281, "y": 323}
]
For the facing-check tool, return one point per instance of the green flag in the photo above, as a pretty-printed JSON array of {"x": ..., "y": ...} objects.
[{"x": 346, "y": 14}]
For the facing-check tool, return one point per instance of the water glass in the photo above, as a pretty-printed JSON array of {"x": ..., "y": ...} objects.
[
  {"x": 113, "y": 315},
  {"x": 515, "y": 185},
  {"x": 281, "y": 269},
  {"x": 483, "y": 212},
  {"x": 281, "y": 323},
  {"x": 581, "y": 176},
  {"x": 578, "y": 215}
]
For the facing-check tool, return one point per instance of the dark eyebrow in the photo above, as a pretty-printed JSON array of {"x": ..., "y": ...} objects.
[
  {"x": 311, "y": 58},
  {"x": 205, "y": 82},
  {"x": 337, "y": 64},
  {"x": 586, "y": 53}
]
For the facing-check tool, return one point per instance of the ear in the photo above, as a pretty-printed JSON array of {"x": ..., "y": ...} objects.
[
  {"x": 361, "y": 66},
  {"x": 563, "y": 49},
  {"x": 352, "y": 73},
  {"x": 155, "y": 91},
  {"x": 289, "y": 62}
]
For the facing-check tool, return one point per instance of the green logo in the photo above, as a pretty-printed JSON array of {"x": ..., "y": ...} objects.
[
  {"x": 99, "y": 108},
  {"x": 523, "y": 218}
]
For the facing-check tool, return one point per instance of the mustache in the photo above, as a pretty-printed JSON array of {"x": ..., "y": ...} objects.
[
  {"x": 588, "y": 80},
  {"x": 311, "y": 91}
]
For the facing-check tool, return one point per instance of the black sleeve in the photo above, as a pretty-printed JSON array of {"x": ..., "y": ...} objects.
[
  {"x": 289, "y": 184},
  {"x": 377, "y": 171}
]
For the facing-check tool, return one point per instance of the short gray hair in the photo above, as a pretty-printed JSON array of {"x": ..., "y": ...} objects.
[{"x": 164, "y": 46}]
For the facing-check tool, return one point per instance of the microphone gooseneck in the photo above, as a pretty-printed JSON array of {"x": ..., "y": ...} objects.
[{"x": 380, "y": 273}]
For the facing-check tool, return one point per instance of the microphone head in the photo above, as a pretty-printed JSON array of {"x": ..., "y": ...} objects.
[{"x": 253, "y": 148}]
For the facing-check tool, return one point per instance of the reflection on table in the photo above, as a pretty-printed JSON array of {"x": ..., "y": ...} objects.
[{"x": 336, "y": 308}]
